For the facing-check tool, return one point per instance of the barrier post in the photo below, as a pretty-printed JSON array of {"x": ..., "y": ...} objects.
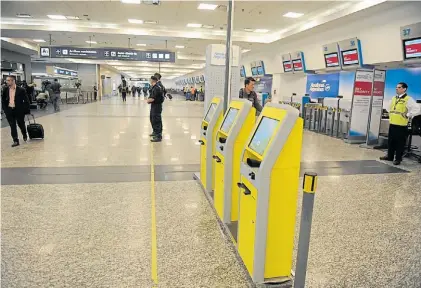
[
  {"x": 66, "y": 98},
  {"x": 309, "y": 189}
]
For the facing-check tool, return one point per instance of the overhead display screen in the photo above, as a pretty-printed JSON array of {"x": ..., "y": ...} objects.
[
  {"x": 242, "y": 72},
  {"x": 332, "y": 60},
  {"x": 210, "y": 112},
  {"x": 263, "y": 134},
  {"x": 297, "y": 65},
  {"x": 260, "y": 70},
  {"x": 254, "y": 71},
  {"x": 350, "y": 57},
  {"x": 229, "y": 120},
  {"x": 412, "y": 48},
  {"x": 287, "y": 66}
]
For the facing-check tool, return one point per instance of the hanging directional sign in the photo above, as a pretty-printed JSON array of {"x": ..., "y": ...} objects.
[{"x": 106, "y": 54}]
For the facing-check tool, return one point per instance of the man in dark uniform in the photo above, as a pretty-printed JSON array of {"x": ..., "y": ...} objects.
[
  {"x": 15, "y": 104},
  {"x": 156, "y": 98},
  {"x": 159, "y": 83},
  {"x": 248, "y": 93}
]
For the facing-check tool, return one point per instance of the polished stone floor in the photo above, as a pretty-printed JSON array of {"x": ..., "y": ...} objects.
[{"x": 96, "y": 204}]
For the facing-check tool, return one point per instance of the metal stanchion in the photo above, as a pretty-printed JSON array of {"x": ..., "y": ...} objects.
[
  {"x": 309, "y": 189},
  {"x": 66, "y": 98},
  {"x": 339, "y": 125}
]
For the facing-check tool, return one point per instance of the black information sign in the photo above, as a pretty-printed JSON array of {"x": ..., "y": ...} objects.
[
  {"x": 65, "y": 72},
  {"x": 107, "y": 54}
]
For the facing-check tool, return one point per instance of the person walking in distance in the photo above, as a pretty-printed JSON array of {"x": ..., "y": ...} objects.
[
  {"x": 402, "y": 109},
  {"x": 156, "y": 98},
  {"x": 123, "y": 89},
  {"x": 55, "y": 87},
  {"x": 15, "y": 104}
]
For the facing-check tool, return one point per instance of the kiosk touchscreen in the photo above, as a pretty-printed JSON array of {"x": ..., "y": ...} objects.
[
  {"x": 209, "y": 128},
  {"x": 235, "y": 129},
  {"x": 268, "y": 187}
]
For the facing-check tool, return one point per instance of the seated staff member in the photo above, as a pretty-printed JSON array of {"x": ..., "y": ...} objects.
[
  {"x": 402, "y": 108},
  {"x": 156, "y": 98},
  {"x": 248, "y": 93}
]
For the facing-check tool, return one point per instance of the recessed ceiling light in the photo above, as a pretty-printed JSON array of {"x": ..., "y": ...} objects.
[
  {"x": 135, "y": 21},
  {"x": 194, "y": 25},
  {"x": 91, "y": 42},
  {"x": 205, "y": 6},
  {"x": 141, "y": 44},
  {"x": 130, "y": 1},
  {"x": 208, "y": 26},
  {"x": 293, "y": 15},
  {"x": 72, "y": 18},
  {"x": 151, "y": 22},
  {"x": 261, "y": 30},
  {"x": 179, "y": 46},
  {"x": 248, "y": 30},
  {"x": 39, "y": 40},
  {"x": 57, "y": 17},
  {"x": 23, "y": 15}
]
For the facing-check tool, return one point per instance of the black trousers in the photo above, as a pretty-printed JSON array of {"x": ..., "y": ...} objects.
[
  {"x": 396, "y": 142},
  {"x": 15, "y": 117},
  {"x": 124, "y": 95},
  {"x": 156, "y": 119}
]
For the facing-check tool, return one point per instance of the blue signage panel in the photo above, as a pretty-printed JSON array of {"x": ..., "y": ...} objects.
[
  {"x": 106, "y": 54},
  {"x": 320, "y": 86}
]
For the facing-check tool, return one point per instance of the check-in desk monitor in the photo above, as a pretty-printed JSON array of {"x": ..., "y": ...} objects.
[
  {"x": 268, "y": 188},
  {"x": 231, "y": 138},
  {"x": 210, "y": 125}
]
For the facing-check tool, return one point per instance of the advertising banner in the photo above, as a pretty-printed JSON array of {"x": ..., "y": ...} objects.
[
  {"x": 322, "y": 85},
  {"x": 376, "y": 107},
  {"x": 106, "y": 54},
  {"x": 361, "y": 100}
]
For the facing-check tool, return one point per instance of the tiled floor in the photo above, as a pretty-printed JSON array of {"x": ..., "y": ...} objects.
[{"x": 83, "y": 218}]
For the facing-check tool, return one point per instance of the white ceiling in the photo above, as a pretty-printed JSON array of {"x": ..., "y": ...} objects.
[{"x": 106, "y": 22}]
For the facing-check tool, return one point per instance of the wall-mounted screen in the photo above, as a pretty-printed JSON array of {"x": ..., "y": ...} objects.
[
  {"x": 287, "y": 66},
  {"x": 210, "y": 112},
  {"x": 242, "y": 72},
  {"x": 350, "y": 57},
  {"x": 260, "y": 70},
  {"x": 263, "y": 134},
  {"x": 297, "y": 65},
  {"x": 229, "y": 120},
  {"x": 332, "y": 60},
  {"x": 412, "y": 48},
  {"x": 254, "y": 71}
]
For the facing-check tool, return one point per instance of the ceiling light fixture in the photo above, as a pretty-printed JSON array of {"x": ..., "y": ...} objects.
[
  {"x": 141, "y": 45},
  {"x": 179, "y": 46},
  {"x": 206, "y": 6},
  {"x": 72, "y": 18},
  {"x": 151, "y": 22},
  {"x": 293, "y": 15},
  {"x": 248, "y": 30},
  {"x": 57, "y": 17},
  {"x": 130, "y": 1},
  {"x": 22, "y": 15},
  {"x": 261, "y": 30},
  {"x": 208, "y": 26},
  {"x": 39, "y": 40},
  {"x": 194, "y": 25},
  {"x": 135, "y": 21},
  {"x": 91, "y": 42}
]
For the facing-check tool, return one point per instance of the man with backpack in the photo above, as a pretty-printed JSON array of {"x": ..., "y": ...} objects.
[
  {"x": 156, "y": 98},
  {"x": 55, "y": 87}
]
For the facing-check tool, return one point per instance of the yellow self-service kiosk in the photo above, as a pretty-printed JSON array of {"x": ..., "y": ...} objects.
[
  {"x": 209, "y": 128},
  {"x": 231, "y": 137},
  {"x": 270, "y": 168}
]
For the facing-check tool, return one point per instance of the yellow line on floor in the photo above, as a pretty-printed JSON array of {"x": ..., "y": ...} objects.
[{"x": 154, "y": 264}]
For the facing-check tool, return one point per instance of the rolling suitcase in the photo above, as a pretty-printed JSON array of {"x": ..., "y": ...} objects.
[
  {"x": 169, "y": 96},
  {"x": 35, "y": 130}
]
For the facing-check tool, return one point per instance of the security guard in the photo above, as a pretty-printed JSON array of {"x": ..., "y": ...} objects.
[
  {"x": 159, "y": 83},
  {"x": 402, "y": 108},
  {"x": 156, "y": 98}
]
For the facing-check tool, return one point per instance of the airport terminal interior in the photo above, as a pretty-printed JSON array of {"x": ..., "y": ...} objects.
[{"x": 267, "y": 171}]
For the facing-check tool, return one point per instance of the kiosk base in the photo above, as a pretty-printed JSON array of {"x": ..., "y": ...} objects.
[{"x": 196, "y": 176}]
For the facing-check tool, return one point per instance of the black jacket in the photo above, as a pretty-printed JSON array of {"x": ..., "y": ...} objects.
[
  {"x": 159, "y": 83},
  {"x": 21, "y": 100},
  {"x": 252, "y": 97},
  {"x": 157, "y": 94}
]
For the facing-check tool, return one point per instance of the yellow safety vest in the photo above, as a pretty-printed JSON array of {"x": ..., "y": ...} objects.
[{"x": 398, "y": 111}]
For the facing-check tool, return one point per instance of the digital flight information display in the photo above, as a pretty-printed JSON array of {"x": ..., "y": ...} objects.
[
  {"x": 412, "y": 48},
  {"x": 287, "y": 66},
  {"x": 297, "y": 64},
  {"x": 332, "y": 60},
  {"x": 350, "y": 57}
]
